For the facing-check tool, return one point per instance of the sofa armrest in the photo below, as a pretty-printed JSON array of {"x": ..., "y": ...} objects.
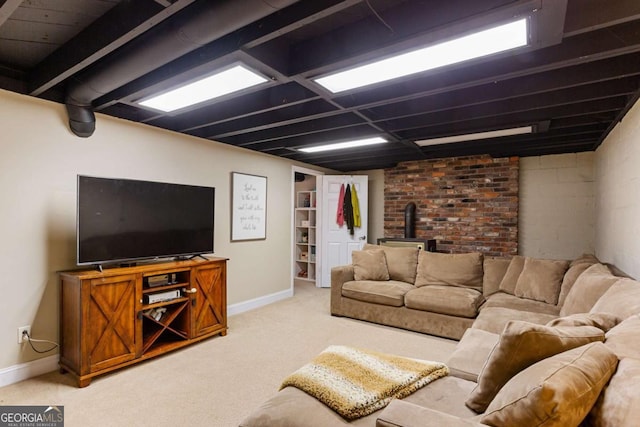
[
  {"x": 405, "y": 414},
  {"x": 339, "y": 275}
]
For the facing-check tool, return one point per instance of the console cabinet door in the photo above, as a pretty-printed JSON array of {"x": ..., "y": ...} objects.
[
  {"x": 210, "y": 299},
  {"x": 109, "y": 322}
]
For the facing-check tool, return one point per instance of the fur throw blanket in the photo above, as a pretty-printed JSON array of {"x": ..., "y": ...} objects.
[{"x": 355, "y": 382}]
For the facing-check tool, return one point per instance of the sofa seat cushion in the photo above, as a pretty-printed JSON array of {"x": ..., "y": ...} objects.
[
  {"x": 494, "y": 319},
  {"x": 292, "y": 407},
  {"x": 463, "y": 302},
  {"x": 462, "y": 270},
  {"x": 504, "y": 300},
  {"x": 602, "y": 321},
  {"x": 557, "y": 391},
  {"x": 390, "y": 292},
  {"x": 471, "y": 353},
  {"x": 401, "y": 413}
]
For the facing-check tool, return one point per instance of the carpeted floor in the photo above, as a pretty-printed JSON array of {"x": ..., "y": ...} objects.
[{"x": 220, "y": 381}]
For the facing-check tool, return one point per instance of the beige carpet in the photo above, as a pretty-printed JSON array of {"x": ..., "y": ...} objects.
[{"x": 220, "y": 381}]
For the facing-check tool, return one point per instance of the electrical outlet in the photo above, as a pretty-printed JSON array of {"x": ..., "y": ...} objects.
[{"x": 21, "y": 330}]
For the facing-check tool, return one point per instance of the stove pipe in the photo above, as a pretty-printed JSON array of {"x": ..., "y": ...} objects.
[{"x": 410, "y": 220}]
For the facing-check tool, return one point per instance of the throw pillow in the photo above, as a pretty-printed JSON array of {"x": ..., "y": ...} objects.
[
  {"x": 603, "y": 321},
  {"x": 587, "y": 289},
  {"x": 494, "y": 270},
  {"x": 402, "y": 263},
  {"x": 508, "y": 282},
  {"x": 557, "y": 391},
  {"x": 369, "y": 265},
  {"x": 450, "y": 269},
  {"x": 522, "y": 344},
  {"x": 621, "y": 299},
  {"x": 540, "y": 279},
  {"x": 619, "y": 402},
  {"x": 585, "y": 259}
]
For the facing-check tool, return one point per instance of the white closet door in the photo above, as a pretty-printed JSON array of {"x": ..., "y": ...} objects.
[{"x": 336, "y": 242}]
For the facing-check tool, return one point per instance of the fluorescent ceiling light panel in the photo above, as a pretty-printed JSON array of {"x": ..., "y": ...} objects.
[
  {"x": 216, "y": 85},
  {"x": 487, "y": 42},
  {"x": 475, "y": 136},
  {"x": 343, "y": 145}
]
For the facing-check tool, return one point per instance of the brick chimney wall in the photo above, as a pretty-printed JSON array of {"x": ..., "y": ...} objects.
[{"x": 466, "y": 203}]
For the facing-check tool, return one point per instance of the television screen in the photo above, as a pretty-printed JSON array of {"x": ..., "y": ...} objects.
[{"x": 121, "y": 220}]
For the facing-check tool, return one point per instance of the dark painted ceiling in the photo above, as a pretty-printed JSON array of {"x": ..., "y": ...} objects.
[{"x": 573, "y": 83}]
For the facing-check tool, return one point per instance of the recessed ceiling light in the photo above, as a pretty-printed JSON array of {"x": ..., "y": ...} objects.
[
  {"x": 475, "y": 136},
  {"x": 345, "y": 144},
  {"x": 482, "y": 43},
  {"x": 214, "y": 86}
]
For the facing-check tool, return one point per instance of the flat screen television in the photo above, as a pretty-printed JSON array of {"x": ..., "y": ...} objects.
[{"x": 123, "y": 220}]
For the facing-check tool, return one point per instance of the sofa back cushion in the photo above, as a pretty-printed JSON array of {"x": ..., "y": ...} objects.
[
  {"x": 619, "y": 402},
  {"x": 587, "y": 289},
  {"x": 540, "y": 279},
  {"x": 624, "y": 339},
  {"x": 369, "y": 265},
  {"x": 402, "y": 262},
  {"x": 569, "y": 279},
  {"x": 494, "y": 270},
  {"x": 621, "y": 299},
  {"x": 604, "y": 321},
  {"x": 510, "y": 279},
  {"x": 463, "y": 270},
  {"x": 522, "y": 344},
  {"x": 557, "y": 391}
]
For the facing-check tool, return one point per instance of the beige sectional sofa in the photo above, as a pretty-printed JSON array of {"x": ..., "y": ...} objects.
[{"x": 542, "y": 342}]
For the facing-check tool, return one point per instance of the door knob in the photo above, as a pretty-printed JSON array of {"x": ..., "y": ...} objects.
[{"x": 363, "y": 237}]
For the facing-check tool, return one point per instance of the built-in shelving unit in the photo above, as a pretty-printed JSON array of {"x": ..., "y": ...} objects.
[{"x": 305, "y": 235}]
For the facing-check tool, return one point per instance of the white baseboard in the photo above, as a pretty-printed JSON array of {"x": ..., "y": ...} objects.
[
  {"x": 24, "y": 371},
  {"x": 251, "y": 304}
]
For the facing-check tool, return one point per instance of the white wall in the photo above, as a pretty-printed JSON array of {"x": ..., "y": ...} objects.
[
  {"x": 39, "y": 161},
  {"x": 556, "y": 209},
  {"x": 618, "y": 195}
]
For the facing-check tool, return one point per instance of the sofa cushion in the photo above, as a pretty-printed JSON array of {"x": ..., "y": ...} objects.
[
  {"x": 501, "y": 299},
  {"x": 471, "y": 353},
  {"x": 585, "y": 259},
  {"x": 369, "y": 265},
  {"x": 603, "y": 321},
  {"x": 510, "y": 279},
  {"x": 402, "y": 262},
  {"x": 494, "y": 270},
  {"x": 494, "y": 319},
  {"x": 569, "y": 280},
  {"x": 587, "y": 289},
  {"x": 463, "y": 302},
  {"x": 540, "y": 279},
  {"x": 624, "y": 339},
  {"x": 557, "y": 391},
  {"x": 520, "y": 345},
  {"x": 389, "y": 292},
  {"x": 621, "y": 299},
  {"x": 619, "y": 402},
  {"x": 464, "y": 270},
  {"x": 402, "y": 413}
]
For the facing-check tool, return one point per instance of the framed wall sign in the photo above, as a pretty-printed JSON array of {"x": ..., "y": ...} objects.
[{"x": 248, "y": 207}]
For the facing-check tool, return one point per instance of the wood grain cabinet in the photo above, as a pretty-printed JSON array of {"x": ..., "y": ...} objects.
[{"x": 121, "y": 316}]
